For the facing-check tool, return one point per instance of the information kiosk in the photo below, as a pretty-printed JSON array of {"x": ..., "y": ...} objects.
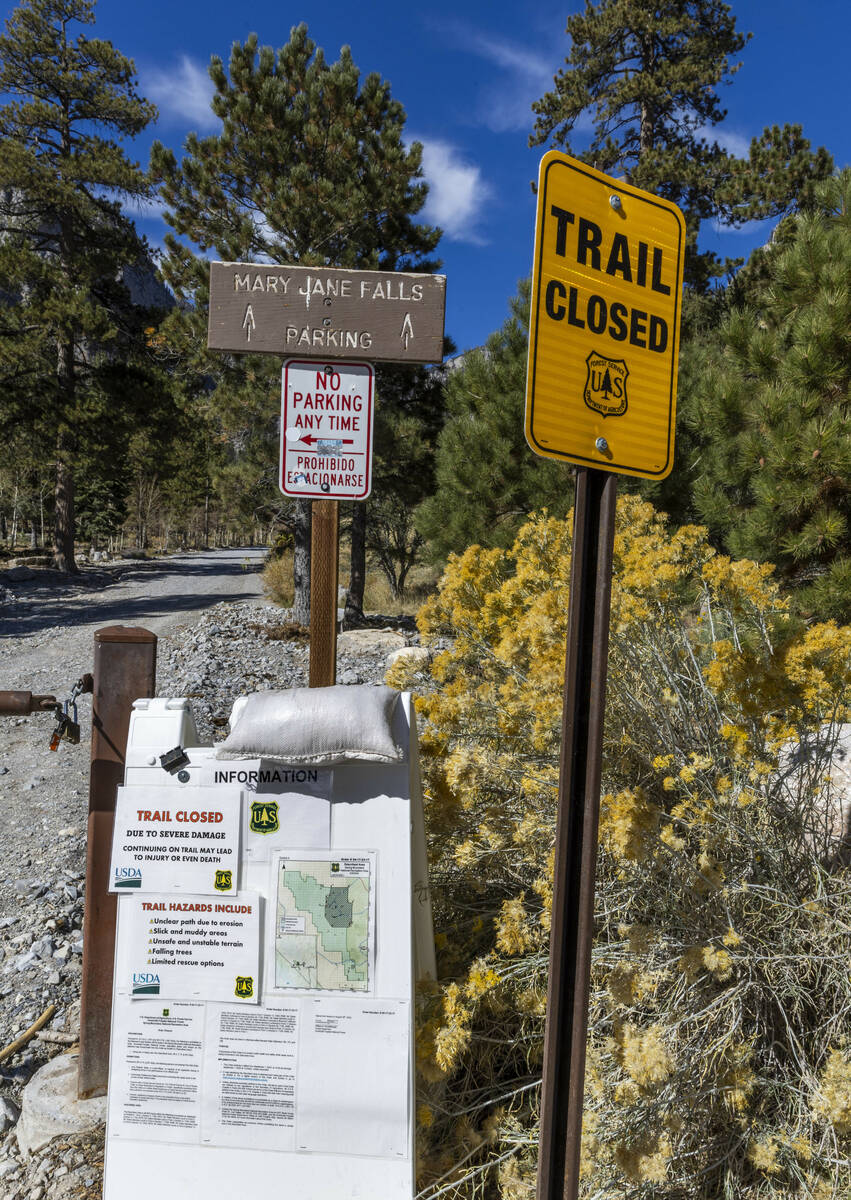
[{"x": 272, "y": 921}]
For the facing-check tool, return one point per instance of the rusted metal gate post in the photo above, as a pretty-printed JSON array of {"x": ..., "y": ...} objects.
[
  {"x": 324, "y": 548},
  {"x": 124, "y": 671},
  {"x": 576, "y": 834}
]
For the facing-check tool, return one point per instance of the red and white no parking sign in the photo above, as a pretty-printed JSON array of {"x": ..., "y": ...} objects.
[{"x": 326, "y": 429}]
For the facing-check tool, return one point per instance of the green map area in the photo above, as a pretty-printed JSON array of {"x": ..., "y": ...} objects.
[{"x": 322, "y": 924}]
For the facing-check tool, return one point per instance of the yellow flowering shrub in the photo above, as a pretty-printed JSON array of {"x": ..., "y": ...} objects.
[{"x": 720, "y": 975}]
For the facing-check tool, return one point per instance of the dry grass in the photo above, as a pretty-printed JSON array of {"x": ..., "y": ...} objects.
[
  {"x": 278, "y": 580},
  {"x": 278, "y": 585},
  {"x": 290, "y": 631}
]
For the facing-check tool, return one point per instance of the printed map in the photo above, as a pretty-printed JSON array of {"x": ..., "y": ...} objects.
[{"x": 322, "y": 928}]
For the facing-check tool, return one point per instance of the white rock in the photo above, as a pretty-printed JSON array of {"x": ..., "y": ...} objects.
[
  {"x": 50, "y": 1108},
  {"x": 363, "y": 641},
  {"x": 9, "y": 1113},
  {"x": 825, "y": 763},
  {"x": 417, "y": 657}
]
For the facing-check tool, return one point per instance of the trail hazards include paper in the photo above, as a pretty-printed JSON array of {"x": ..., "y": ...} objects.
[
  {"x": 324, "y": 929},
  {"x": 170, "y": 840},
  {"x": 605, "y": 322},
  {"x": 326, "y": 430},
  {"x": 330, "y": 313},
  {"x": 193, "y": 947}
]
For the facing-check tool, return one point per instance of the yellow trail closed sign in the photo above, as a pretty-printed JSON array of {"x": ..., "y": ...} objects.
[{"x": 604, "y": 331}]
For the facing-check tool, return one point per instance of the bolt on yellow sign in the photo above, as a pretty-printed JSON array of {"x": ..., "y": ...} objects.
[{"x": 604, "y": 333}]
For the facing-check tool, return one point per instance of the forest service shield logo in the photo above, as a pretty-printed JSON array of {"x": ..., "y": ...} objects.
[
  {"x": 244, "y": 986},
  {"x": 264, "y": 816},
  {"x": 605, "y": 385},
  {"x": 223, "y": 881}
]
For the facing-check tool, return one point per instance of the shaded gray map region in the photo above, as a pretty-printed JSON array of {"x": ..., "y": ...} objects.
[{"x": 338, "y": 908}]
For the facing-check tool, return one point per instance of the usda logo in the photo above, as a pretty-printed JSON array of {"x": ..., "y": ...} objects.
[
  {"x": 145, "y": 983},
  {"x": 127, "y": 877}
]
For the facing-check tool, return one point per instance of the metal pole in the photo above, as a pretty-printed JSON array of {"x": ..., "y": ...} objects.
[
  {"x": 324, "y": 539},
  {"x": 576, "y": 834},
  {"x": 124, "y": 671}
]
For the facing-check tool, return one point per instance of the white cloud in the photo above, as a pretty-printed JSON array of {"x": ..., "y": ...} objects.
[
  {"x": 533, "y": 66},
  {"x": 141, "y": 210},
  {"x": 734, "y": 143},
  {"x": 182, "y": 93},
  {"x": 747, "y": 228},
  {"x": 522, "y": 76},
  {"x": 457, "y": 192}
]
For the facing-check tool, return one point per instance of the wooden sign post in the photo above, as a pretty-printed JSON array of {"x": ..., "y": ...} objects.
[
  {"x": 325, "y": 315},
  {"x": 601, "y": 394}
]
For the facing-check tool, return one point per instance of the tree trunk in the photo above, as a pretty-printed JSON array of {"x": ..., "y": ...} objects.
[
  {"x": 14, "y": 535},
  {"x": 357, "y": 574},
  {"x": 63, "y": 532},
  {"x": 301, "y": 562}
]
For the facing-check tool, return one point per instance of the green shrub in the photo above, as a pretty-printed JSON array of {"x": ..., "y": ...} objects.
[{"x": 718, "y": 1064}]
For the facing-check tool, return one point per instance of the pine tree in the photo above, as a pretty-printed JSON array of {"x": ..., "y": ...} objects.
[
  {"x": 65, "y": 239},
  {"x": 772, "y": 415},
  {"x": 409, "y": 416},
  {"x": 309, "y": 168},
  {"x": 648, "y": 74},
  {"x": 487, "y": 478}
]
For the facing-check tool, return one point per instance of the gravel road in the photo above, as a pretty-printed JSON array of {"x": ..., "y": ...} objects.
[
  {"x": 49, "y": 626},
  {"x": 217, "y": 639}
]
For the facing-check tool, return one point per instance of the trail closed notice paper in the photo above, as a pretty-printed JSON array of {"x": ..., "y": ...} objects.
[
  {"x": 176, "y": 840},
  {"x": 323, "y": 934},
  {"x": 193, "y": 947}
]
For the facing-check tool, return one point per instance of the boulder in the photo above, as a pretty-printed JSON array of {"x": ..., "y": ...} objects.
[
  {"x": 816, "y": 779},
  {"x": 365, "y": 641},
  {"x": 50, "y": 1108},
  {"x": 415, "y": 657}
]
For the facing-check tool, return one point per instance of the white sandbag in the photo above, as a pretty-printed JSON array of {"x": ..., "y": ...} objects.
[{"x": 316, "y": 726}]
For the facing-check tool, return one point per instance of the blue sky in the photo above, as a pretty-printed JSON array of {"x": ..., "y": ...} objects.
[{"x": 467, "y": 73}]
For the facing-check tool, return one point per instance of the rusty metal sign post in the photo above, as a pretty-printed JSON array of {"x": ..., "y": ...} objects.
[
  {"x": 325, "y": 314},
  {"x": 124, "y": 671},
  {"x": 571, "y": 933},
  {"x": 601, "y": 394}
]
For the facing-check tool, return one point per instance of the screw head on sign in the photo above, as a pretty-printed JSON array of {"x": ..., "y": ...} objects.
[
  {"x": 615, "y": 201},
  {"x": 183, "y": 776},
  {"x": 602, "y": 445},
  {"x": 326, "y": 487}
]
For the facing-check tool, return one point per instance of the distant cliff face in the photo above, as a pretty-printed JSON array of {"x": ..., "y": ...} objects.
[
  {"x": 146, "y": 291},
  {"x": 141, "y": 281}
]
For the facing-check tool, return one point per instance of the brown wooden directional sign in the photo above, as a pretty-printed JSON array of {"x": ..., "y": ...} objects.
[{"x": 326, "y": 313}]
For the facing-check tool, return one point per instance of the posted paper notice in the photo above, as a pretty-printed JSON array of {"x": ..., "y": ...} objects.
[
  {"x": 323, "y": 931},
  {"x": 353, "y": 1098},
  {"x": 193, "y": 947},
  {"x": 159, "y": 1046},
  {"x": 284, "y": 806},
  {"x": 250, "y": 1077},
  {"x": 168, "y": 839}
]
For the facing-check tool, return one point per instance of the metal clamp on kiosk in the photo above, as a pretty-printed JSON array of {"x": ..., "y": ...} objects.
[{"x": 273, "y": 916}]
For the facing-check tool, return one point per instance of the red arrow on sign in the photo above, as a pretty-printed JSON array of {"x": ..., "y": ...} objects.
[{"x": 310, "y": 439}]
